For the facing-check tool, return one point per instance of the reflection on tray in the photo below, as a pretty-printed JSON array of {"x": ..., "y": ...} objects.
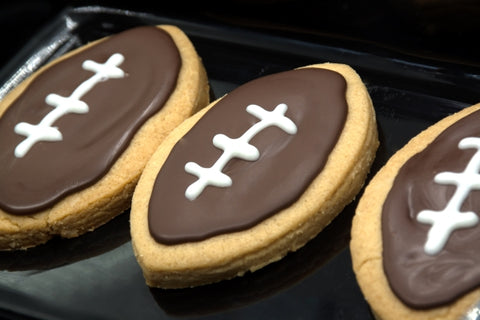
[
  {"x": 252, "y": 287},
  {"x": 59, "y": 252}
]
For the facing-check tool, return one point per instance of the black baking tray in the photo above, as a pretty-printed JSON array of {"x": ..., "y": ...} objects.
[{"x": 96, "y": 276}]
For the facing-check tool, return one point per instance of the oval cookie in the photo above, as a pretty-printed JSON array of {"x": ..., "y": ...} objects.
[
  {"x": 254, "y": 175},
  {"x": 76, "y": 135},
  {"x": 415, "y": 233}
]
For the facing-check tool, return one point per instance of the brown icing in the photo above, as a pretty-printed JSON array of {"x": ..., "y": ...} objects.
[
  {"x": 93, "y": 141},
  {"x": 418, "y": 279},
  {"x": 287, "y": 164}
]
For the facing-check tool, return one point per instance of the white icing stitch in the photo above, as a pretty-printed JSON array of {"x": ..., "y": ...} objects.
[
  {"x": 451, "y": 218},
  {"x": 236, "y": 148},
  {"x": 44, "y": 131}
]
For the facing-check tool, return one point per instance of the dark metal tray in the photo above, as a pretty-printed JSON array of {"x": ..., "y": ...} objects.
[{"x": 96, "y": 276}]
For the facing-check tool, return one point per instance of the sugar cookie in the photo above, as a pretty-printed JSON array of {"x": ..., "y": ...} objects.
[
  {"x": 76, "y": 135},
  {"x": 415, "y": 233},
  {"x": 256, "y": 174}
]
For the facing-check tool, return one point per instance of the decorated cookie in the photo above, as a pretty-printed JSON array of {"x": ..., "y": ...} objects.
[
  {"x": 416, "y": 232},
  {"x": 76, "y": 135},
  {"x": 254, "y": 175}
]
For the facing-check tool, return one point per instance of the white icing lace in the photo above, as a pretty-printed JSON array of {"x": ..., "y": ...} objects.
[
  {"x": 444, "y": 222},
  {"x": 236, "y": 148},
  {"x": 44, "y": 131}
]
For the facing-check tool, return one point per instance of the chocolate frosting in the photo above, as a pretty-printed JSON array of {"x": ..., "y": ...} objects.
[
  {"x": 418, "y": 279},
  {"x": 286, "y": 166},
  {"x": 92, "y": 141}
]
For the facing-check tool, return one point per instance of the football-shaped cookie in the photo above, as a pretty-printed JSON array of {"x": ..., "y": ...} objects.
[
  {"x": 76, "y": 135},
  {"x": 415, "y": 234},
  {"x": 254, "y": 175}
]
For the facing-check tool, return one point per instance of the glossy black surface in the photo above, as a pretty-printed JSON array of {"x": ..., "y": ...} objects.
[{"x": 96, "y": 276}]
